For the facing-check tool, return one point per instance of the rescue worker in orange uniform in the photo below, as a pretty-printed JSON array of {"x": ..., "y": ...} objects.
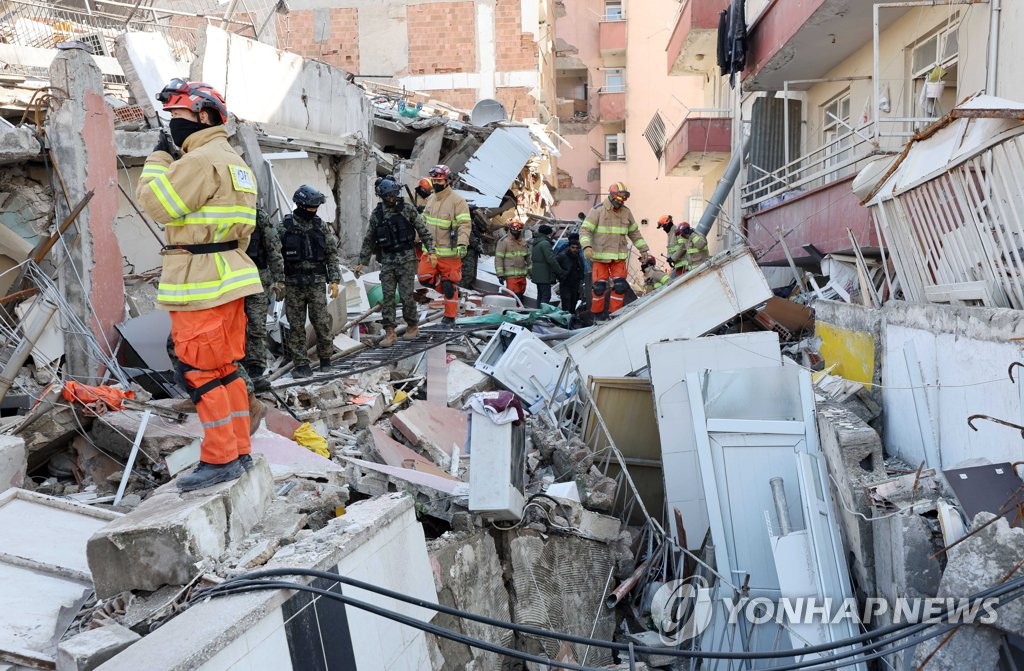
[
  {"x": 447, "y": 217},
  {"x": 206, "y": 199},
  {"x": 512, "y": 259},
  {"x": 605, "y": 236}
]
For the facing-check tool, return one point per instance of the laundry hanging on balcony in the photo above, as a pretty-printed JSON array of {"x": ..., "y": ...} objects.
[{"x": 732, "y": 40}]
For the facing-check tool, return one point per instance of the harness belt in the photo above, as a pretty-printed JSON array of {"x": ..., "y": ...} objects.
[
  {"x": 208, "y": 248},
  {"x": 198, "y": 392}
]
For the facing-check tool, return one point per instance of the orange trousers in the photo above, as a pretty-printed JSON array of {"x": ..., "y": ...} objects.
[
  {"x": 208, "y": 342},
  {"x": 516, "y": 285},
  {"x": 449, "y": 269},
  {"x": 604, "y": 275}
]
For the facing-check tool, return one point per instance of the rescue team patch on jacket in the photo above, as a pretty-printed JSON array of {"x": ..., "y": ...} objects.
[{"x": 242, "y": 179}]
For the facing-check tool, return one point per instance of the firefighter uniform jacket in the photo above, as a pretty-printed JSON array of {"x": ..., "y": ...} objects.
[
  {"x": 446, "y": 212},
  {"x": 691, "y": 251},
  {"x": 608, "y": 231},
  {"x": 207, "y": 197},
  {"x": 511, "y": 257}
]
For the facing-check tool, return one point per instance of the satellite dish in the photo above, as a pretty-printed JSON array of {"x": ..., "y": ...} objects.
[{"x": 487, "y": 111}]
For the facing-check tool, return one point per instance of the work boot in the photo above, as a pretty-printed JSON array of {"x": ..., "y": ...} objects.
[
  {"x": 325, "y": 364},
  {"x": 246, "y": 461},
  {"x": 302, "y": 370},
  {"x": 411, "y": 331},
  {"x": 447, "y": 321},
  {"x": 207, "y": 475},
  {"x": 256, "y": 412},
  {"x": 389, "y": 337},
  {"x": 260, "y": 384}
]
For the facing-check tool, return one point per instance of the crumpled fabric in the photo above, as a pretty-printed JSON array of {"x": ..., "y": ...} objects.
[
  {"x": 501, "y": 407},
  {"x": 546, "y": 311},
  {"x": 307, "y": 436},
  {"x": 96, "y": 399}
]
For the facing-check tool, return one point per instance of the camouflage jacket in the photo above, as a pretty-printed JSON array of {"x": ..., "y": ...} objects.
[
  {"x": 301, "y": 242},
  {"x": 377, "y": 218}
]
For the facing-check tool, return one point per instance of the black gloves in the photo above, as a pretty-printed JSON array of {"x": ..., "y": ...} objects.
[{"x": 165, "y": 144}]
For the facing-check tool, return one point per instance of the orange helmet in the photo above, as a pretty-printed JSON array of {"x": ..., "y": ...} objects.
[
  {"x": 515, "y": 225},
  {"x": 441, "y": 173},
  {"x": 665, "y": 219},
  {"x": 194, "y": 96},
  {"x": 618, "y": 193},
  {"x": 425, "y": 184}
]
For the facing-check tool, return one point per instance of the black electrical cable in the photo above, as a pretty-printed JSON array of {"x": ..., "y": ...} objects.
[
  {"x": 904, "y": 630},
  {"x": 260, "y": 585}
]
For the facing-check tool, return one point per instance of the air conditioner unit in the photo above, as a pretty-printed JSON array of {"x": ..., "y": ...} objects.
[
  {"x": 523, "y": 364},
  {"x": 497, "y": 468}
]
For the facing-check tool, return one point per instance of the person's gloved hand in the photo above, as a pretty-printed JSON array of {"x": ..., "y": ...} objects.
[
  {"x": 335, "y": 290},
  {"x": 358, "y": 270},
  {"x": 501, "y": 280},
  {"x": 644, "y": 256},
  {"x": 588, "y": 253},
  {"x": 165, "y": 144},
  {"x": 278, "y": 289},
  {"x": 461, "y": 250},
  {"x": 432, "y": 257}
]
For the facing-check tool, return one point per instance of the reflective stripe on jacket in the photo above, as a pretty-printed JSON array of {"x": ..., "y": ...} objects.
[
  {"x": 608, "y": 232},
  {"x": 444, "y": 212},
  {"x": 692, "y": 251},
  {"x": 206, "y": 196},
  {"x": 655, "y": 277},
  {"x": 511, "y": 257}
]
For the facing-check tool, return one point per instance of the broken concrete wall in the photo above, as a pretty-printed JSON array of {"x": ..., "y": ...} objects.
[
  {"x": 316, "y": 171},
  {"x": 263, "y": 84},
  {"x": 468, "y": 576},
  {"x": 354, "y": 194},
  {"x": 851, "y": 340},
  {"x": 941, "y": 364},
  {"x": 140, "y": 248}
]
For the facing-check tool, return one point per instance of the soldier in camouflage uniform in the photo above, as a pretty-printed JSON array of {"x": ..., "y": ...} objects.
[
  {"x": 391, "y": 235},
  {"x": 473, "y": 252},
  {"x": 311, "y": 260},
  {"x": 265, "y": 251}
]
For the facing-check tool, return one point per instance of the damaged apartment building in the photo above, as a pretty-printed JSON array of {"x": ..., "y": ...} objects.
[{"x": 825, "y": 411}]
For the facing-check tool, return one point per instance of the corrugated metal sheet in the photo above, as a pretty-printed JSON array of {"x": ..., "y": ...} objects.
[
  {"x": 767, "y": 138},
  {"x": 498, "y": 161}
]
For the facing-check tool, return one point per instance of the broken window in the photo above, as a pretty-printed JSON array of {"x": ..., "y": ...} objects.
[{"x": 933, "y": 72}]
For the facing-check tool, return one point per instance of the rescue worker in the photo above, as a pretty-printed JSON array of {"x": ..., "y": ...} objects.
[
  {"x": 311, "y": 260},
  {"x": 473, "y": 252},
  {"x": 666, "y": 224},
  {"x": 265, "y": 251},
  {"x": 571, "y": 262},
  {"x": 654, "y": 277},
  {"x": 447, "y": 217},
  {"x": 423, "y": 191},
  {"x": 394, "y": 225},
  {"x": 605, "y": 237},
  {"x": 691, "y": 249},
  {"x": 512, "y": 259},
  {"x": 206, "y": 199},
  {"x": 544, "y": 270}
]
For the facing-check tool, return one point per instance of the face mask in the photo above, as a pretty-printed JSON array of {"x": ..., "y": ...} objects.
[
  {"x": 687, "y": 231},
  {"x": 390, "y": 200},
  {"x": 438, "y": 188},
  {"x": 303, "y": 213},
  {"x": 181, "y": 129}
]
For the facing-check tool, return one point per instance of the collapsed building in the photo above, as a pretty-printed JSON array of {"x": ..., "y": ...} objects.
[{"x": 518, "y": 490}]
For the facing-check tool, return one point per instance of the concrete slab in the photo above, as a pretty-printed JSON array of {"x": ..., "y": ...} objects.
[
  {"x": 463, "y": 381},
  {"x": 86, "y": 651},
  {"x": 393, "y": 453},
  {"x": 115, "y": 432},
  {"x": 18, "y": 144},
  {"x": 163, "y": 541},
  {"x": 445, "y": 485},
  {"x": 288, "y": 459},
  {"x": 434, "y": 429},
  {"x": 13, "y": 462}
]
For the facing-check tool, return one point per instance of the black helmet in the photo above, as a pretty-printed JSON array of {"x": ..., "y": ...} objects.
[
  {"x": 307, "y": 196},
  {"x": 388, "y": 188}
]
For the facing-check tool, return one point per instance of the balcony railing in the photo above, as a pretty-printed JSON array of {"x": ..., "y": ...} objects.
[
  {"x": 611, "y": 38},
  {"x": 611, "y": 104},
  {"x": 707, "y": 132},
  {"x": 833, "y": 160}
]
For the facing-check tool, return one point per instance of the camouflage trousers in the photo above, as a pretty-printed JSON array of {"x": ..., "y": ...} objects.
[
  {"x": 299, "y": 297},
  {"x": 469, "y": 263},
  {"x": 256, "y": 308},
  {"x": 398, "y": 271}
]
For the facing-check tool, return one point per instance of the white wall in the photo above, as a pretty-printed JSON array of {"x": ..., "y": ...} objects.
[{"x": 964, "y": 354}]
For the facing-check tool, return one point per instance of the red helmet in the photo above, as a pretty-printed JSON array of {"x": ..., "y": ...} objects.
[
  {"x": 440, "y": 173},
  {"x": 683, "y": 225},
  {"x": 618, "y": 193},
  {"x": 665, "y": 219},
  {"x": 515, "y": 225},
  {"x": 194, "y": 96}
]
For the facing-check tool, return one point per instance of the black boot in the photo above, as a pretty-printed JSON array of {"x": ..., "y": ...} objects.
[
  {"x": 325, "y": 364},
  {"x": 447, "y": 321},
  {"x": 207, "y": 475},
  {"x": 302, "y": 370},
  {"x": 246, "y": 461}
]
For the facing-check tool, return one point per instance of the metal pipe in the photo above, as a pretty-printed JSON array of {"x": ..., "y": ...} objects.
[
  {"x": 725, "y": 184},
  {"x": 33, "y": 331},
  {"x": 781, "y": 506},
  {"x": 995, "y": 10},
  {"x": 876, "y": 72},
  {"x": 625, "y": 587}
]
